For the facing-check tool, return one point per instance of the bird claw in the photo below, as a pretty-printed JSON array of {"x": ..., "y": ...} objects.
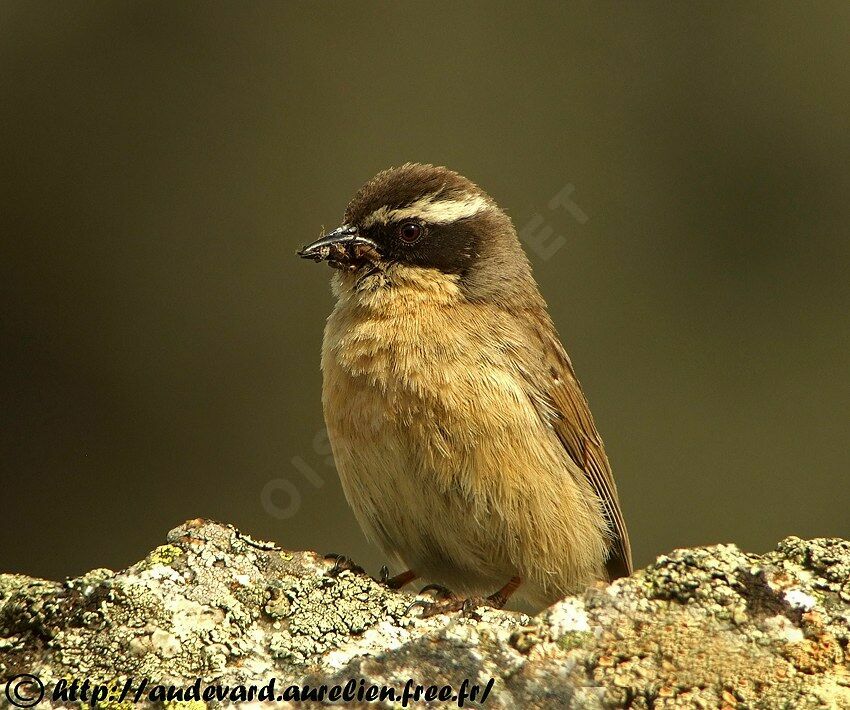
[
  {"x": 418, "y": 602},
  {"x": 342, "y": 564}
]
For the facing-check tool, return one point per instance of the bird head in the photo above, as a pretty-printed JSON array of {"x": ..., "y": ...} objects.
[{"x": 427, "y": 222}]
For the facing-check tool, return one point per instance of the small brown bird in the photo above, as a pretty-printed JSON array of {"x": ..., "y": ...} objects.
[{"x": 463, "y": 440}]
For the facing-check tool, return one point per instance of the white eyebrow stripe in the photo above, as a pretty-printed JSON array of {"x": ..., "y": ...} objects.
[{"x": 430, "y": 209}]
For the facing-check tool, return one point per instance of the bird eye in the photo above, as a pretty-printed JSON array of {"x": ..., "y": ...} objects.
[{"x": 409, "y": 232}]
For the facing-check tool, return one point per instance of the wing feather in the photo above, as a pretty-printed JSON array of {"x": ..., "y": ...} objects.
[{"x": 570, "y": 417}]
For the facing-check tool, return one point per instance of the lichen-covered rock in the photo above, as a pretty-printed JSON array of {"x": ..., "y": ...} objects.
[{"x": 707, "y": 628}]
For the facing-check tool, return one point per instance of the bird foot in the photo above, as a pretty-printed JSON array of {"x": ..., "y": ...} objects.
[
  {"x": 342, "y": 564},
  {"x": 398, "y": 581},
  {"x": 446, "y": 602},
  {"x": 450, "y": 605},
  {"x": 440, "y": 592}
]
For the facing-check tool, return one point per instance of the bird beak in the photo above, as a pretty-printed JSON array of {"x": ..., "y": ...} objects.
[{"x": 344, "y": 245}]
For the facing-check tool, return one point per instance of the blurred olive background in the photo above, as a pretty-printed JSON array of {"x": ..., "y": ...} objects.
[{"x": 161, "y": 163}]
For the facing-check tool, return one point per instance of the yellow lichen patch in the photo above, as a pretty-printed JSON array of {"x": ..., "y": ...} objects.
[
  {"x": 574, "y": 639},
  {"x": 163, "y": 555}
]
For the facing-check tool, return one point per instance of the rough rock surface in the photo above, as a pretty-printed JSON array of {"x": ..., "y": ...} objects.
[{"x": 708, "y": 627}]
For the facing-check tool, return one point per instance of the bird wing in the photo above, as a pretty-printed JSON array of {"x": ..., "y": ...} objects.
[{"x": 567, "y": 411}]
